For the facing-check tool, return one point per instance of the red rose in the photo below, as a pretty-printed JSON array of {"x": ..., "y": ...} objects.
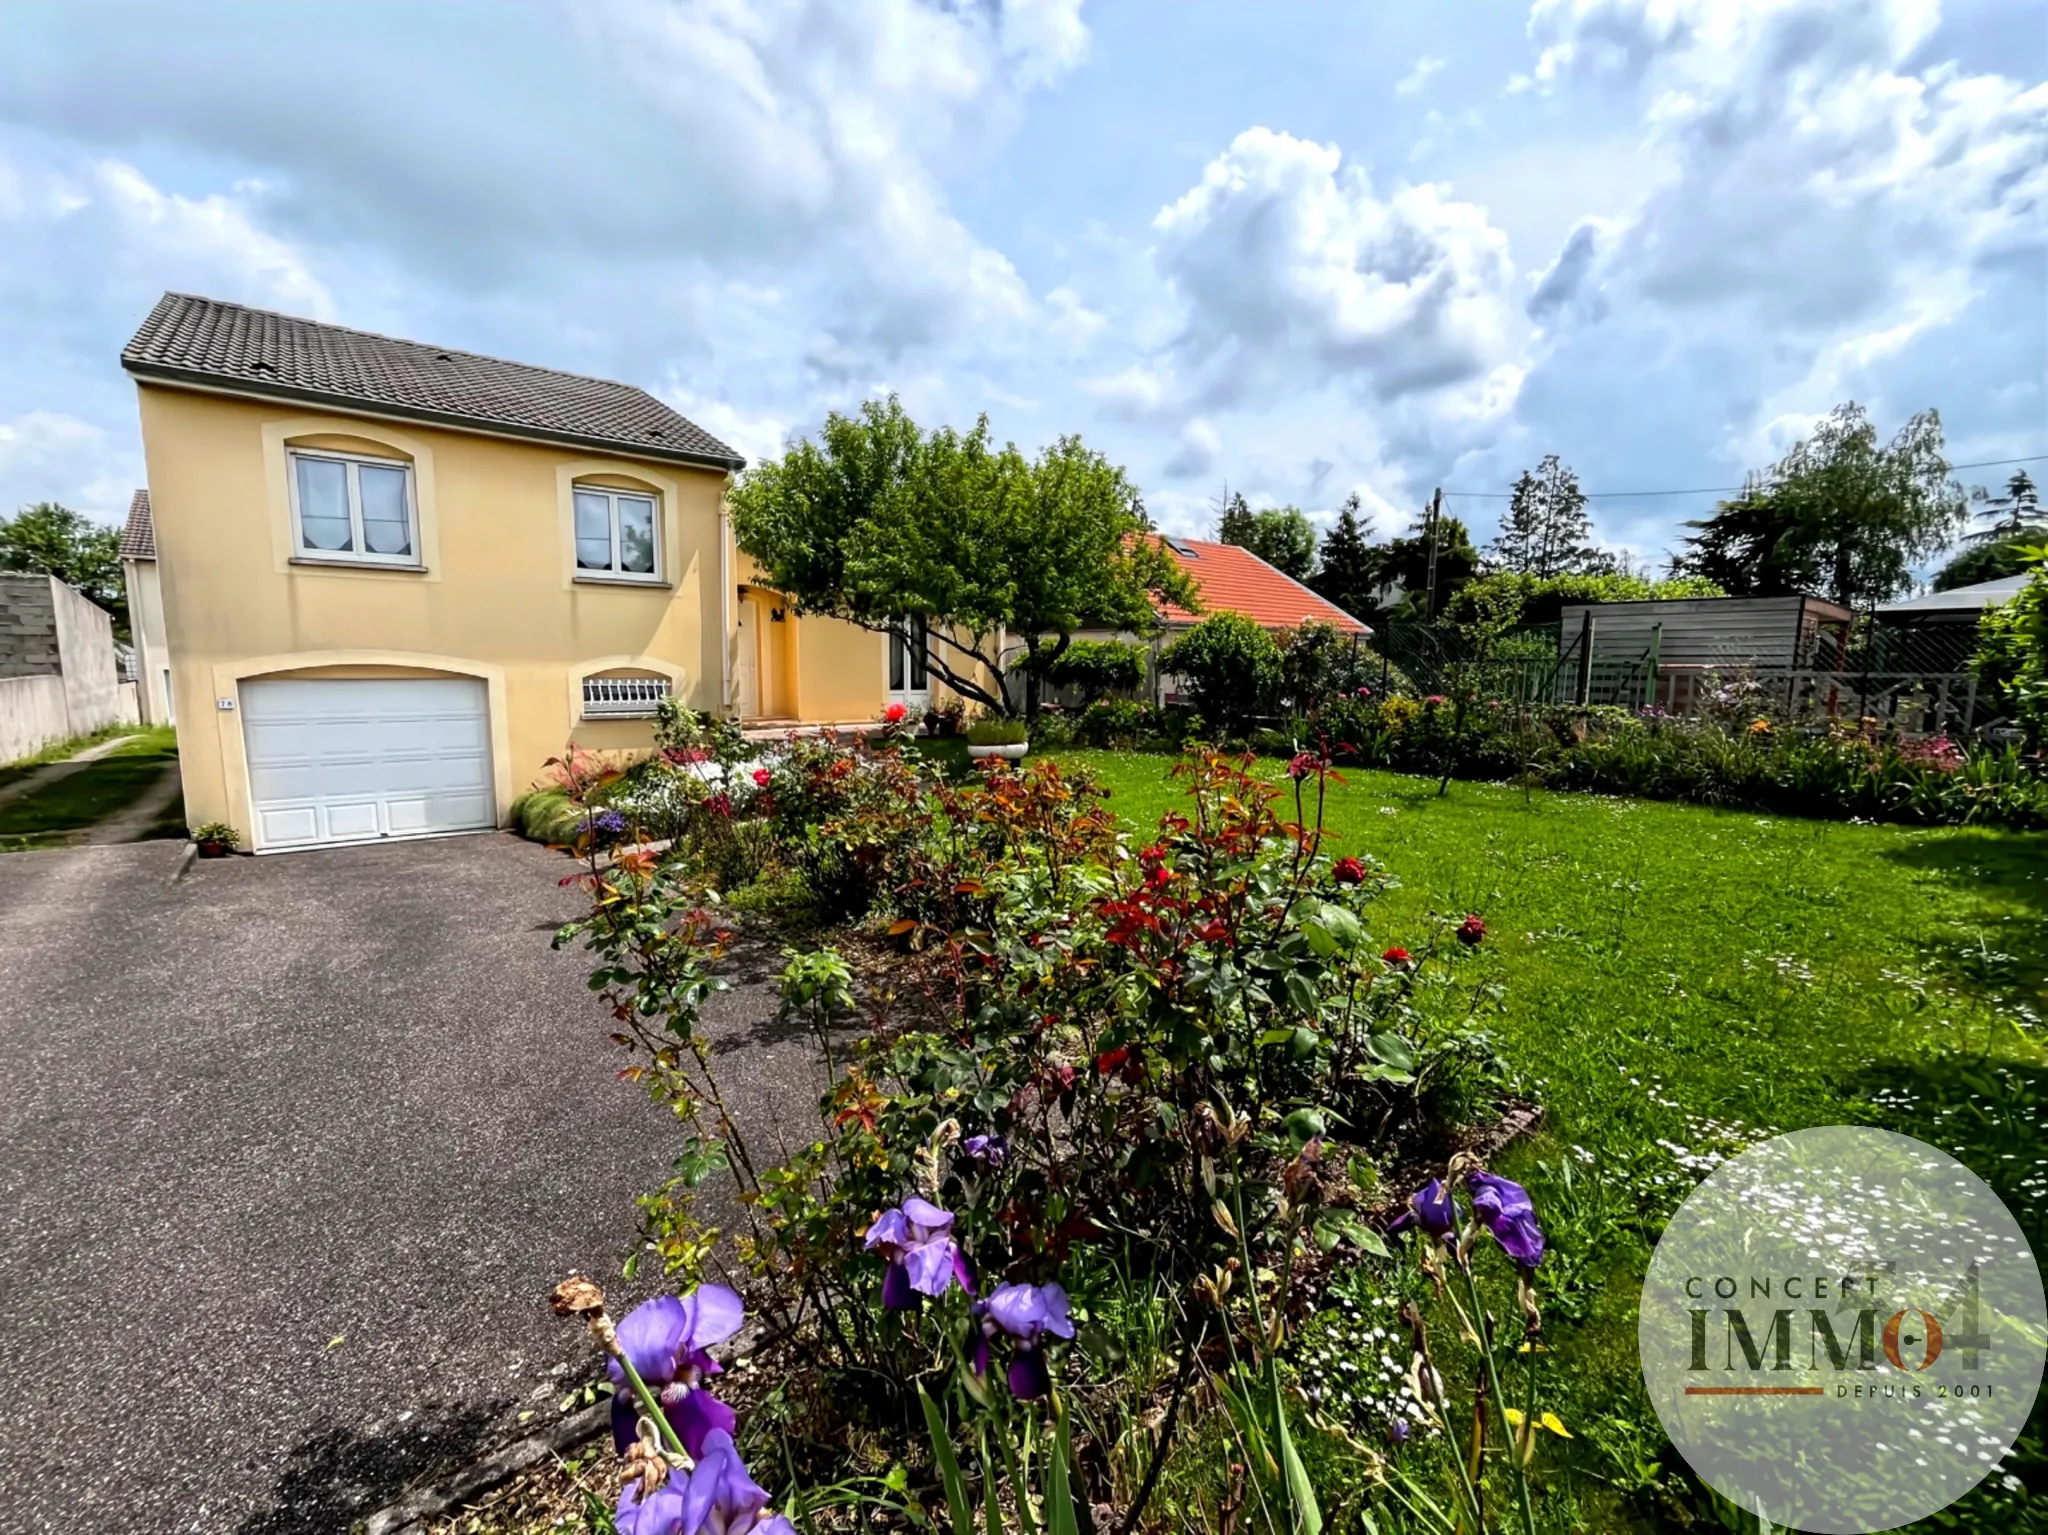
[
  {"x": 1348, "y": 871},
  {"x": 1395, "y": 956},
  {"x": 761, "y": 777},
  {"x": 894, "y": 713},
  {"x": 1471, "y": 931}
]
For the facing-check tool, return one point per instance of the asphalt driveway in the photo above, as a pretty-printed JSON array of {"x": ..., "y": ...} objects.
[{"x": 294, "y": 1148}]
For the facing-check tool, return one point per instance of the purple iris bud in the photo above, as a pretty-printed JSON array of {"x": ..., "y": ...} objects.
[
  {"x": 917, "y": 1239},
  {"x": 992, "y": 1151},
  {"x": 666, "y": 1340},
  {"x": 722, "y": 1499},
  {"x": 1029, "y": 1378},
  {"x": 1430, "y": 1208},
  {"x": 1504, "y": 1208},
  {"x": 1398, "y": 1430}
]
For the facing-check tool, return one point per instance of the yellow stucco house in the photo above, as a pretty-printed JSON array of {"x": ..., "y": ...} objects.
[{"x": 392, "y": 579}]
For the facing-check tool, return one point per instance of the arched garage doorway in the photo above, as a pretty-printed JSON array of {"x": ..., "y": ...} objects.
[{"x": 336, "y": 757}]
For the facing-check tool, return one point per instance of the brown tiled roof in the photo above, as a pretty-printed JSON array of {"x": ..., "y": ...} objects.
[
  {"x": 1234, "y": 580},
  {"x": 204, "y": 342},
  {"x": 138, "y": 539}
]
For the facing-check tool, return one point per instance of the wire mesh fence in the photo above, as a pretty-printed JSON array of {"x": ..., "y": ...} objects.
[{"x": 1914, "y": 679}]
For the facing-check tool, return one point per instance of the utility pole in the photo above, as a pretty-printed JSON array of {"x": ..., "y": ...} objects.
[{"x": 1429, "y": 528}]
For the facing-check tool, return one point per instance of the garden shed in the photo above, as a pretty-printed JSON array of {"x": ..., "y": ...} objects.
[{"x": 1658, "y": 652}]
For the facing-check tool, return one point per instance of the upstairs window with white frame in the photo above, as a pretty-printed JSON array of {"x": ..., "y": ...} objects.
[
  {"x": 352, "y": 509},
  {"x": 616, "y": 534}
]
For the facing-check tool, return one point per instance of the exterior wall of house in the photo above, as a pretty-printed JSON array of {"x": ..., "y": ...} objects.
[
  {"x": 497, "y": 594},
  {"x": 152, "y": 649}
]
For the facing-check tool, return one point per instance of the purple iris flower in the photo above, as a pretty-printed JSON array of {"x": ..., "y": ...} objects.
[
  {"x": 722, "y": 1499},
  {"x": 666, "y": 1341},
  {"x": 1504, "y": 1208},
  {"x": 1430, "y": 1208},
  {"x": 1398, "y": 1430},
  {"x": 992, "y": 1151},
  {"x": 1028, "y": 1313},
  {"x": 718, "y": 1498},
  {"x": 658, "y": 1513},
  {"x": 923, "y": 1257}
]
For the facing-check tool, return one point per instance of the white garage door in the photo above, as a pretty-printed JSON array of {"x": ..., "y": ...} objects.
[{"x": 349, "y": 761}]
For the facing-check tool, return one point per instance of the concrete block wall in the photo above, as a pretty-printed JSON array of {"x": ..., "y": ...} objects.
[
  {"x": 32, "y": 715},
  {"x": 58, "y": 674},
  {"x": 92, "y": 675},
  {"x": 29, "y": 645}
]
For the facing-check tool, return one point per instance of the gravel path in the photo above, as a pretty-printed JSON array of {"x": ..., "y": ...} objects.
[{"x": 294, "y": 1148}]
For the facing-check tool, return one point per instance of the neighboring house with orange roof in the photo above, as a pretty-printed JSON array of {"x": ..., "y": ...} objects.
[
  {"x": 1234, "y": 580},
  {"x": 1229, "y": 579}
]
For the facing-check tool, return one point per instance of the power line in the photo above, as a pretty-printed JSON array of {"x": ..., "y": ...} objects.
[{"x": 1709, "y": 490}]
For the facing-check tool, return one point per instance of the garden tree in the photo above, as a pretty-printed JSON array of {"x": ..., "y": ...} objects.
[
  {"x": 1988, "y": 562},
  {"x": 878, "y": 523},
  {"x": 1751, "y": 547},
  {"x": 1098, "y": 668},
  {"x": 1231, "y": 665},
  {"x": 2013, "y": 515},
  {"x": 1349, "y": 576},
  {"x": 1280, "y": 535},
  {"x": 1546, "y": 531},
  {"x": 51, "y": 540},
  {"x": 1841, "y": 511},
  {"x": 1404, "y": 562},
  {"x": 2013, "y": 524}
]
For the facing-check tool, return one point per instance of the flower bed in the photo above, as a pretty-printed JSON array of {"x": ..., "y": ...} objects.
[{"x": 1119, "y": 1117}]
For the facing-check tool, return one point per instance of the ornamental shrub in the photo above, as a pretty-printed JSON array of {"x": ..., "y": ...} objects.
[
  {"x": 1099, "y": 667},
  {"x": 1231, "y": 666},
  {"x": 2012, "y": 653},
  {"x": 1099, "y": 1075}
]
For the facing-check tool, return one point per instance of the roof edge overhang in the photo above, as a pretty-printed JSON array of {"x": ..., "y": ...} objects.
[{"x": 206, "y": 383}]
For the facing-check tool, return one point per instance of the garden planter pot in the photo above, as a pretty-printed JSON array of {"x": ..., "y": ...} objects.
[
  {"x": 1012, "y": 752},
  {"x": 214, "y": 850}
]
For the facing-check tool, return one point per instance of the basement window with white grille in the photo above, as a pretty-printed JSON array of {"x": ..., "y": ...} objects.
[{"x": 622, "y": 698}]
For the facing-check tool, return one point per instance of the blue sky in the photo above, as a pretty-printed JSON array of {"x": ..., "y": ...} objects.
[{"x": 1303, "y": 249}]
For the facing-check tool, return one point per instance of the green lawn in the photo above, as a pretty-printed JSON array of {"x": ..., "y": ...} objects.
[
  {"x": 1682, "y": 977},
  {"x": 59, "y": 811},
  {"x": 57, "y": 751}
]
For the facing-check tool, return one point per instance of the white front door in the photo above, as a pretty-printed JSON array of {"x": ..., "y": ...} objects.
[
  {"x": 910, "y": 677},
  {"x": 347, "y": 760}
]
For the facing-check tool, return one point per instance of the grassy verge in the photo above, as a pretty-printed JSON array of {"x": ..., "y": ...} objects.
[
  {"x": 1679, "y": 980},
  {"x": 57, "y": 751},
  {"x": 59, "y": 811}
]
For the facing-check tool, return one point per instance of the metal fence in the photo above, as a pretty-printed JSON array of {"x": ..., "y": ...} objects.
[{"x": 1916, "y": 680}]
